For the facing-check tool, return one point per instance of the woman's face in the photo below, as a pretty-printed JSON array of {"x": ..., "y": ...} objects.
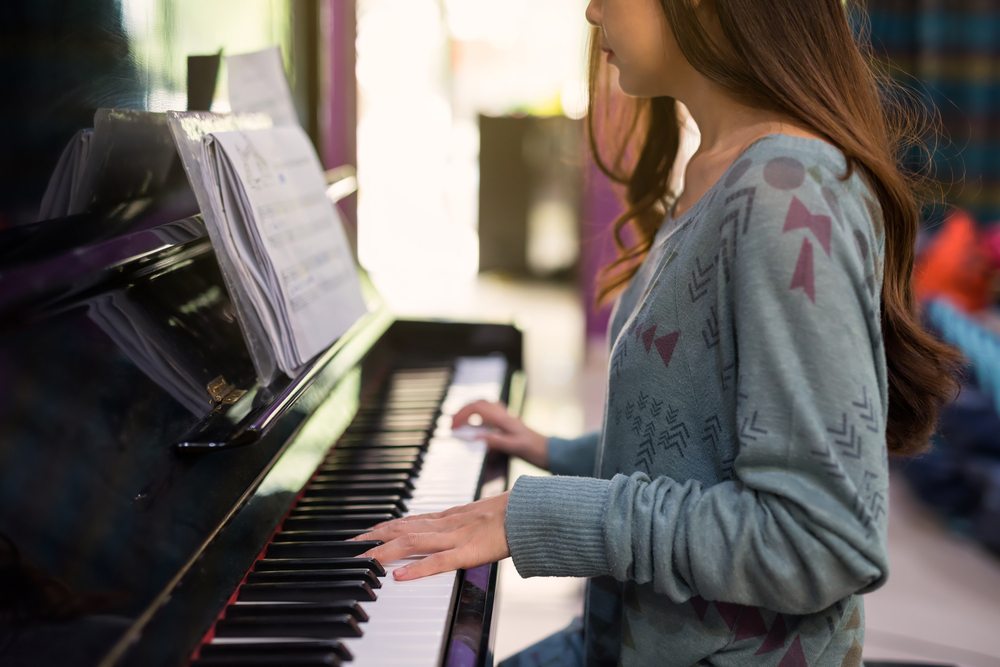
[{"x": 637, "y": 40}]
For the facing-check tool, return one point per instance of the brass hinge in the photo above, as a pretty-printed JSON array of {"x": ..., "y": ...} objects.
[{"x": 223, "y": 393}]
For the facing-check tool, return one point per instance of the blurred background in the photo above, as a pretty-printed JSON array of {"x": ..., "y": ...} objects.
[{"x": 477, "y": 199}]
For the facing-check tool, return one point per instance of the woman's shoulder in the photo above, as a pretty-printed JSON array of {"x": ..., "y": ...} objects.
[{"x": 783, "y": 180}]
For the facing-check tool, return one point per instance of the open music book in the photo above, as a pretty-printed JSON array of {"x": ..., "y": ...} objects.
[
  {"x": 285, "y": 238},
  {"x": 126, "y": 158},
  {"x": 280, "y": 242}
]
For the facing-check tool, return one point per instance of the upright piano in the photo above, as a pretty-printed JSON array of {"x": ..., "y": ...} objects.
[{"x": 160, "y": 508}]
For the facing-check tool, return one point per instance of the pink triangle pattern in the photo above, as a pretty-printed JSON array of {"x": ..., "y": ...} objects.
[
  {"x": 799, "y": 217},
  {"x": 804, "y": 276},
  {"x": 700, "y": 605},
  {"x": 775, "y": 638},
  {"x": 795, "y": 657},
  {"x": 751, "y": 625},
  {"x": 665, "y": 346},
  {"x": 647, "y": 337},
  {"x": 729, "y": 612}
]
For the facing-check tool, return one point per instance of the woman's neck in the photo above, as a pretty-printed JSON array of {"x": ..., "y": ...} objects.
[{"x": 727, "y": 128}]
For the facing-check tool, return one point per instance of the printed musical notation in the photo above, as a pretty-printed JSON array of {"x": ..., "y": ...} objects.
[{"x": 288, "y": 236}]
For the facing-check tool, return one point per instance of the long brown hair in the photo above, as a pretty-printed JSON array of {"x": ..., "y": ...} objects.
[{"x": 799, "y": 59}]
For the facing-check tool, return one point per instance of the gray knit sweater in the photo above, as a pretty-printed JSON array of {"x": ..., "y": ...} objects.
[{"x": 734, "y": 505}]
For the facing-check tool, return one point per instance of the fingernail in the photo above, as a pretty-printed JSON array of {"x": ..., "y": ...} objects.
[{"x": 399, "y": 572}]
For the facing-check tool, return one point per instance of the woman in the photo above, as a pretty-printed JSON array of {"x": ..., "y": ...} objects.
[{"x": 765, "y": 357}]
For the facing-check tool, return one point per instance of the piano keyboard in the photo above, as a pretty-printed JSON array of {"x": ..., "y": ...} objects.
[{"x": 308, "y": 601}]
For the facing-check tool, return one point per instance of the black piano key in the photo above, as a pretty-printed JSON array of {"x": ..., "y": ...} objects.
[
  {"x": 361, "y": 458},
  {"x": 383, "y": 440},
  {"x": 322, "y": 646},
  {"x": 314, "y": 524},
  {"x": 328, "y": 591},
  {"x": 393, "y": 426},
  {"x": 428, "y": 406},
  {"x": 367, "y": 467},
  {"x": 311, "y": 659},
  {"x": 390, "y": 459},
  {"x": 317, "y": 535},
  {"x": 364, "y": 478},
  {"x": 406, "y": 406},
  {"x": 340, "y": 521},
  {"x": 349, "y": 607},
  {"x": 357, "y": 574},
  {"x": 359, "y": 489},
  {"x": 360, "y": 449},
  {"x": 426, "y": 388},
  {"x": 345, "y": 510},
  {"x": 425, "y": 410},
  {"x": 318, "y": 627},
  {"x": 339, "y": 549},
  {"x": 346, "y": 465},
  {"x": 398, "y": 384},
  {"x": 396, "y": 416},
  {"x": 374, "y": 451},
  {"x": 273, "y": 564},
  {"x": 376, "y": 429},
  {"x": 352, "y": 501}
]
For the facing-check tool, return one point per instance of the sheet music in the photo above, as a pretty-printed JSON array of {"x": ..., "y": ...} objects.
[
  {"x": 288, "y": 237},
  {"x": 257, "y": 84}
]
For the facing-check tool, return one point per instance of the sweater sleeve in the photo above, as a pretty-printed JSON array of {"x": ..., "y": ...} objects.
[
  {"x": 575, "y": 457},
  {"x": 802, "y": 524}
]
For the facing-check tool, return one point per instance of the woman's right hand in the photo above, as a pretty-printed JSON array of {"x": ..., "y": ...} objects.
[{"x": 512, "y": 436}]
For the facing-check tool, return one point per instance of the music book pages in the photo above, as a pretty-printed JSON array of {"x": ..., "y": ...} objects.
[
  {"x": 64, "y": 183},
  {"x": 126, "y": 157},
  {"x": 189, "y": 129},
  {"x": 257, "y": 84},
  {"x": 284, "y": 238}
]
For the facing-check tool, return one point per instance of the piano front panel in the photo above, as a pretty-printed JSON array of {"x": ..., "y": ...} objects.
[{"x": 89, "y": 485}]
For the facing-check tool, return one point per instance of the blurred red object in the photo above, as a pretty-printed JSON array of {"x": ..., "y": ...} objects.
[{"x": 960, "y": 263}]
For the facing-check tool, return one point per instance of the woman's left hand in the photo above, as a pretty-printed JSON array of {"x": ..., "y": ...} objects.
[{"x": 459, "y": 538}]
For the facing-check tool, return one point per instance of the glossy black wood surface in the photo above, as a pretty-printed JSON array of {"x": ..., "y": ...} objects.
[{"x": 112, "y": 549}]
